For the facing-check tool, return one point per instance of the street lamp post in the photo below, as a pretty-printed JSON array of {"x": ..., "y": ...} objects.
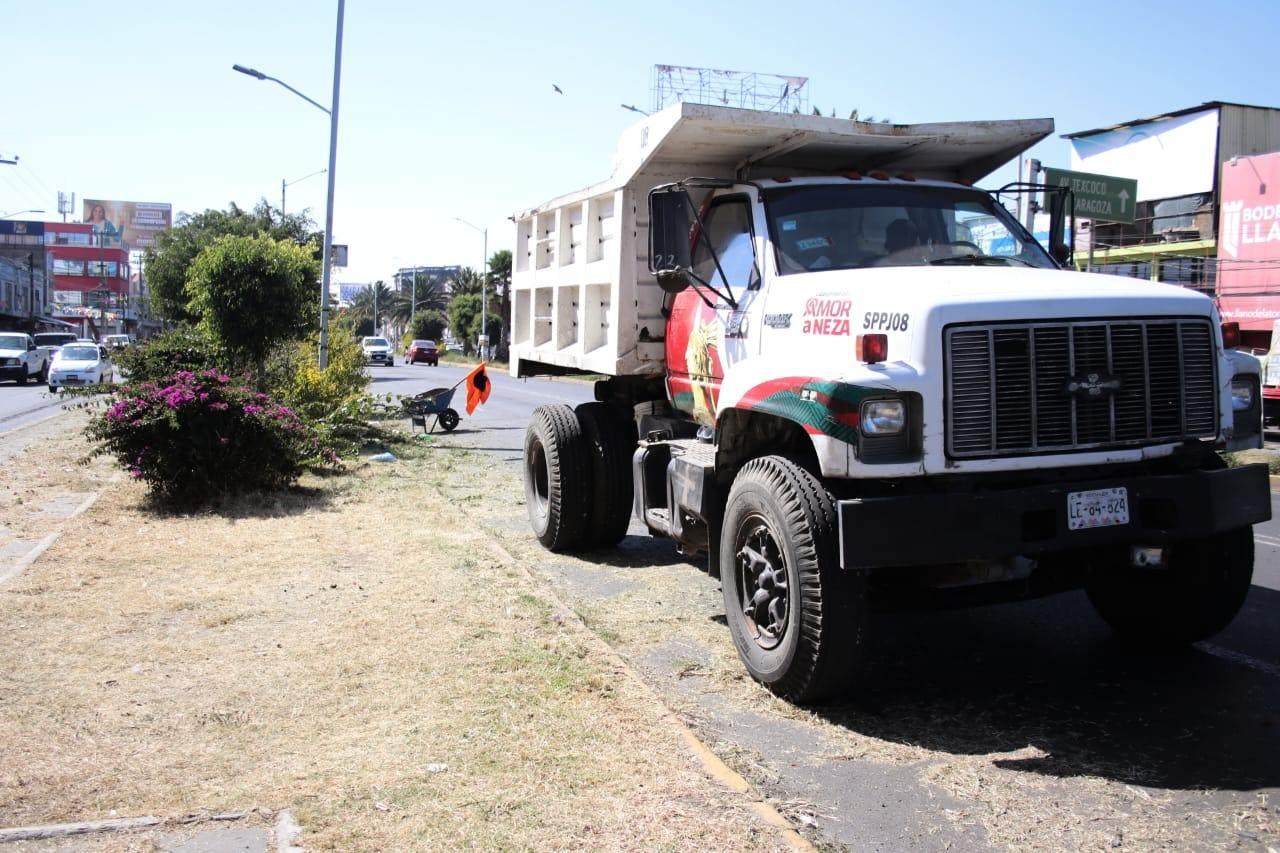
[
  {"x": 284, "y": 184},
  {"x": 18, "y": 212},
  {"x": 484, "y": 303},
  {"x": 332, "y": 112}
]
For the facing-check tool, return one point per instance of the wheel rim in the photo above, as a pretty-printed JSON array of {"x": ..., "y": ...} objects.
[
  {"x": 763, "y": 585},
  {"x": 539, "y": 477}
]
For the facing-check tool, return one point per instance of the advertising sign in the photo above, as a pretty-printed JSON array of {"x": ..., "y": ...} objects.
[
  {"x": 68, "y": 297},
  {"x": 1249, "y": 241},
  {"x": 136, "y": 222},
  {"x": 1096, "y": 197},
  {"x": 1168, "y": 157},
  {"x": 347, "y": 293}
]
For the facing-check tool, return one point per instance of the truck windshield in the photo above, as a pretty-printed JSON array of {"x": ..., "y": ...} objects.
[{"x": 825, "y": 227}]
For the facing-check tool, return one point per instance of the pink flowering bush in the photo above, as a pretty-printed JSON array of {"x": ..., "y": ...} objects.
[{"x": 194, "y": 437}]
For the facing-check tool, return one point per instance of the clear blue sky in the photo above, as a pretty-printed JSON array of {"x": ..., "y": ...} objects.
[{"x": 447, "y": 108}]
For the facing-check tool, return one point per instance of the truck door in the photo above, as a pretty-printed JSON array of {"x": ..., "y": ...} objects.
[{"x": 702, "y": 340}]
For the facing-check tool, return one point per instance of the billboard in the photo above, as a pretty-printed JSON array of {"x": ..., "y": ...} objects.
[
  {"x": 136, "y": 222},
  {"x": 1249, "y": 241},
  {"x": 1168, "y": 157},
  {"x": 347, "y": 293}
]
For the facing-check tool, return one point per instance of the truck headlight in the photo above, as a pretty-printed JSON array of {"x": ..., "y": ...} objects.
[
  {"x": 1241, "y": 395},
  {"x": 883, "y": 417}
]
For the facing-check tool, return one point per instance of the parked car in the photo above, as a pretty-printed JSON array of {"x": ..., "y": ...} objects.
[
  {"x": 20, "y": 359},
  {"x": 423, "y": 351},
  {"x": 118, "y": 341},
  {"x": 51, "y": 342},
  {"x": 81, "y": 364},
  {"x": 377, "y": 351}
]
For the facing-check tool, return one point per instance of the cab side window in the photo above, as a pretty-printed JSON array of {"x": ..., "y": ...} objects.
[{"x": 728, "y": 230}]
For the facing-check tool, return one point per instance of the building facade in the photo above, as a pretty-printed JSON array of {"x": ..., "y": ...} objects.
[
  {"x": 1177, "y": 159},
  {"x": 93, "y": 285},
  {"x": 24, "y": 277}
]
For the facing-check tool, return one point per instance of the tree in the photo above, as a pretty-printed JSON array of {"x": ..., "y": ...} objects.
[
  {"x": 427, "y": 324},
  {"x": 253, "y": 293},
  {"x": 362, "y": 306},
  {"x": 500, "y": 281},
  {"x": 465, "y": 281},
  {"x": 169, "y": 261},
  {"x": 464, "y": 320}
]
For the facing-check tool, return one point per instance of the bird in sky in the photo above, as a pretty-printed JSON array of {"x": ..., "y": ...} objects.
[{"x": 559, "y": 91}]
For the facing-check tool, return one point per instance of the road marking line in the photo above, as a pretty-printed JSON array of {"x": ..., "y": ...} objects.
[
  {"x": 1241, "y": 658},
  {"x": 1267, "y": 540}
]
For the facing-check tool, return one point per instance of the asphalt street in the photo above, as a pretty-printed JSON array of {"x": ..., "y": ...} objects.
[{"x": 23, "y": 405}]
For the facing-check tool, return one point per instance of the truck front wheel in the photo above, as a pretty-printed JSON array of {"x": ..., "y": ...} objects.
[
  {"x": 798, "y": 620},
  {"x": 1196, "y": 596},
  {"x": 557, "y": 477}
]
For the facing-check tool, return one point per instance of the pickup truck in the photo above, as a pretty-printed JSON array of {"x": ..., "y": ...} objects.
[{"x": 21, "y": 360}]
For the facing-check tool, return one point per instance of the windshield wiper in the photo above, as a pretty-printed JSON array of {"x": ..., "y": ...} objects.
[{"x": 978, "y": 260}]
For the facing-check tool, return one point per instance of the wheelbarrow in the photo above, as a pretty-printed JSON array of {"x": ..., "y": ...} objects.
[{"x": 432, "y": 404}]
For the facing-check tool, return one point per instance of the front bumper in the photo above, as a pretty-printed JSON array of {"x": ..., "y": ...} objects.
[
  {"x": 382, "y": 357},
  {"x": 930, "y": 529},
  {"x": 13, "y": 371}
]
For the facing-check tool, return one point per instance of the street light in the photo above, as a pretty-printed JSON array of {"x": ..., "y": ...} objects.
[
  {"x": 484, "y": 313},
  {"x": 284, "y": 183},
  {"x": 332, "y": 112},
  {"x": 17, "y": 212},
  {"x": 633, "y": 108}
]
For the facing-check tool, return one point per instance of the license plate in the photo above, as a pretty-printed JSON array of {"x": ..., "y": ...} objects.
[{"x": 1097, "y": 508}]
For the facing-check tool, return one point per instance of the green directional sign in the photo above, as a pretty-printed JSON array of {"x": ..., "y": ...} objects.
[{"x": 1102, "y": 197}]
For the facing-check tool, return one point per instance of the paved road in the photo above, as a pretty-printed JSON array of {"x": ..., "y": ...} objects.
[
  {"x": 24, "y": 405},
  {"x": 499, "y": 424}
]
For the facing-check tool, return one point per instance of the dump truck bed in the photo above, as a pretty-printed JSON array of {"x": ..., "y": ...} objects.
[{"x": 582, "y": 297}]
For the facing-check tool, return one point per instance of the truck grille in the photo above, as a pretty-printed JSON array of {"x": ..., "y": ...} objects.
[{"x": 1053, "y": 387}]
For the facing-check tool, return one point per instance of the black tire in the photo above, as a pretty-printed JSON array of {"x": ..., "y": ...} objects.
[
  {"x": 557, "y": 484},
  {"x": 811, "y": 651},
  {"x": 43, "y": 376},
  {"x": 610, "y": 442},
  {"x": 449, "y": 420},
  {"x": 22, "y": 375},
  {"x": 1195, "y": 597}
]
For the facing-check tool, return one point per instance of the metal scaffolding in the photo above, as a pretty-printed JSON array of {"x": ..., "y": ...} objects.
[{"x": 779, "y": 93}]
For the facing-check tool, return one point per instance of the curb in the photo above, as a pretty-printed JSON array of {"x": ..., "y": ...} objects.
[
  {"x": 25, "y": 561},
  {"x": 711, "y": 763}
]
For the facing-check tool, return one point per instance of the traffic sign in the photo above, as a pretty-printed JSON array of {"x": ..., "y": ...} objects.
[{"x": 1102, "y": 197}]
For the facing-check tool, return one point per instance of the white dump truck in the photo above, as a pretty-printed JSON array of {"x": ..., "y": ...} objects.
[{"x": 845, "y": 377}]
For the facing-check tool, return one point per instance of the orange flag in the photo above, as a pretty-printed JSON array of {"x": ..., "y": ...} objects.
[{"x": 478, "y": 387}]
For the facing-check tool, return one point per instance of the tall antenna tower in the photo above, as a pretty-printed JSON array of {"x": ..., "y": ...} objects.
[{"x": 778, "y": 93}]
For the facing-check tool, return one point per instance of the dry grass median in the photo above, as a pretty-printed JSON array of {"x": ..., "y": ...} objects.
[{"x": 352, "y": 651}]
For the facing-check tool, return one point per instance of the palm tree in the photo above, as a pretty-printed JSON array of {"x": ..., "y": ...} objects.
[{"x": 372, "y": 303}]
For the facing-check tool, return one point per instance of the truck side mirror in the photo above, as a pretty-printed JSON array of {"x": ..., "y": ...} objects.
[
  {"x": 669, "y": 233},
  {"x": 1062, "y": 241}
]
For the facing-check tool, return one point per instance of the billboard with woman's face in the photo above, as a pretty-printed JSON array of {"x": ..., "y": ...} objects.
[{"x": 136, "y": 222}]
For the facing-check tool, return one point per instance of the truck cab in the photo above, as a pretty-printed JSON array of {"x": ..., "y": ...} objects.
[{"x": 873, "y": 388}]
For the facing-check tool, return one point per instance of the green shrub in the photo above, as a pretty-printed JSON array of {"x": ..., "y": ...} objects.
[
  {"x": 199, "y": 436},
  {"x": 334, "y": 401},
  {"x": 161, "y": 356}
]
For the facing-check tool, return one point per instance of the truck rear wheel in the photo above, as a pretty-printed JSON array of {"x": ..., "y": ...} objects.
[
  {"x": 557, "y": 477},
  {"x": 1195, "y": 597},
  {"x": 798, "y": 620},
  {"x": 610, "y": 441}
]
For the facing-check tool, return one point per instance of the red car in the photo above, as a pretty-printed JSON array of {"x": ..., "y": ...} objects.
[{"x": 423, "y": 351}]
